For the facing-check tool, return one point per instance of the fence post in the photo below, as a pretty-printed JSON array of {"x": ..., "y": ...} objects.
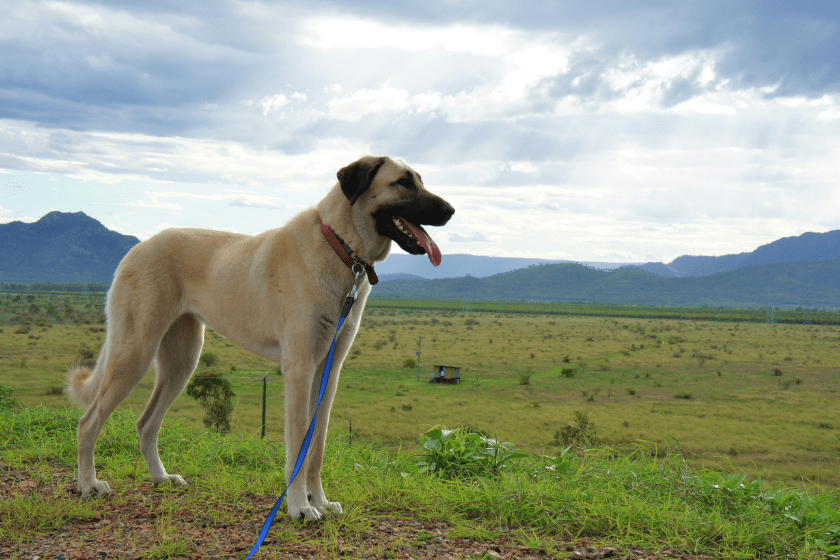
[
  {"x": 265, "y": 392},
  {"x": 419, "y": 342}
]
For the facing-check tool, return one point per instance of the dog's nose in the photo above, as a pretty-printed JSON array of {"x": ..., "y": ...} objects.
[{"x": 448, "y": 209}]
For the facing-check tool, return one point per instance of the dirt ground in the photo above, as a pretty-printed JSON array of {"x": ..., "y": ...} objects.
[{"x": 140, "y": 523}]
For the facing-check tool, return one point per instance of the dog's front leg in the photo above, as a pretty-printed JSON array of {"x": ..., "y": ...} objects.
[
  {"x": 317, "y": 498},
  {"x": 297, "y": 382}
]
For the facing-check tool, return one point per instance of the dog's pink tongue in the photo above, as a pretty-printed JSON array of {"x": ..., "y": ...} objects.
[{"x": 426, "y": 241}]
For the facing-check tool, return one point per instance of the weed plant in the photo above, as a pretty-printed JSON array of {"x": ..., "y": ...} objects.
[{"x": 638, "y": 500}]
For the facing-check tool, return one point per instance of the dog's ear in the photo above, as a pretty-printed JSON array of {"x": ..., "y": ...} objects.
[{"x": 357, "y": 176}]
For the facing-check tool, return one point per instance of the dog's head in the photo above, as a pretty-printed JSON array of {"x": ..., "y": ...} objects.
[{"x": 399, "y": 202}]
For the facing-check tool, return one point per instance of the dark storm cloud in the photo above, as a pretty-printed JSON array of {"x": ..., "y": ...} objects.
[{"x": 104, "y": 67}]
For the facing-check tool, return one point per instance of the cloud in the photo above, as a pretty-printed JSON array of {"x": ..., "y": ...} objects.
[
  {"x": 521, "y": 167},
  {"x": 475, "y": 237},
  {"x": 255, "y": 202},
  {"x": 273, "y": 102},
  {"x": 357, "y": 33},
  {"x": 628, "y": 128},
  {"x": 155, "y": 204},
  {"x": 367, "y": 101}
]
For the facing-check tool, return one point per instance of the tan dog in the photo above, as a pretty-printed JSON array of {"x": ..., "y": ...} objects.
[{"x": 277, "y": 294}]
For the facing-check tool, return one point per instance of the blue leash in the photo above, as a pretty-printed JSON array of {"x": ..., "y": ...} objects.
[{"x": 304, "y": 448}]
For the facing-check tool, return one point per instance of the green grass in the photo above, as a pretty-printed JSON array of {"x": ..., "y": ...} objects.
[
  {"x": 623, "y": 372},
  {"x": 627, "y": 500}
]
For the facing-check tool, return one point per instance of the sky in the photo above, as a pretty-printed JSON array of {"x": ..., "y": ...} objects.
[{"x": 606, "y": 131}]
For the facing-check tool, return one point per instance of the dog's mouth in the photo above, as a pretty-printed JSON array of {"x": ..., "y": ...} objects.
[{"x": 412, "y": 238}]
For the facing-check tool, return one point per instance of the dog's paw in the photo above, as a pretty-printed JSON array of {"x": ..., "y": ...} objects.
[
  {"x": 328, "y": 508},
  {"x": 305, "y": 513},
  {"x": 96, "y": 489},
  {"x": 175, "y": 479},
  {"x": 334, "y": 508}
]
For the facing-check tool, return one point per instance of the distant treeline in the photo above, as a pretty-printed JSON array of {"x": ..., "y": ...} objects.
[
  {"x": 594, "y": 309},
  {"x": 83, "y": 287}
]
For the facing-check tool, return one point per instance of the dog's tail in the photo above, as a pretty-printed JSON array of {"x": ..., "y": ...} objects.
[{"x": 83, "y": 381}]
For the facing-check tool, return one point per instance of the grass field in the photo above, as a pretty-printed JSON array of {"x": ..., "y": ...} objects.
[
  {"x": 576, "y": 505},
  {"x": 737, "y": 396}
]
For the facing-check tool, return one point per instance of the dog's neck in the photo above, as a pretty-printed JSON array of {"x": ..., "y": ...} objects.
[
  {"x": 356, "y": 228},
  {"x": 345, "y": 253}
]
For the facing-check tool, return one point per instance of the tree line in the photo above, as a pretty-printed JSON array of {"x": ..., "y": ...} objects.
[{"x": 80, "y": 287}]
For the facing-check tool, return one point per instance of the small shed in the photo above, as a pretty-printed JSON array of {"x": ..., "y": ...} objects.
[{"x": 446, "y": 374}]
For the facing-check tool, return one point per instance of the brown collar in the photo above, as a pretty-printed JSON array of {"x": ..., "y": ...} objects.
[{"x": 345, "y": 253}]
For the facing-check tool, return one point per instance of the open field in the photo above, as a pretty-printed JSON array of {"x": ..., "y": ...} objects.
[{"x": 748, "y": 397}]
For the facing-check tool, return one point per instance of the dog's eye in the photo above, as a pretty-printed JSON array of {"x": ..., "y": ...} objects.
[{"x": 405, "y": 182}]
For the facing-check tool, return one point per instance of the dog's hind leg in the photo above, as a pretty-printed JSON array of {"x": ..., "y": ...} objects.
[
  {"x": 123, "y": 370},
  {"x": 177, "y": 358}
]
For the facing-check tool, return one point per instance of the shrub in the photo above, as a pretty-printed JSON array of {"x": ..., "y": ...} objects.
[
  {"x": 409, "y": 363},
  {"x": 580, "y": 431},
  {"x": 209, "y": 359},
  {"x": 215, "y": 395},
  {"x": 525, "y": 379},
  {"x": 6, "y": 399},
  {"x": 86, "y": 357},
  {"x": 567, "y": 372},
  {"x": 777, "y": 372},
  {"x": 686, "y": 396}
]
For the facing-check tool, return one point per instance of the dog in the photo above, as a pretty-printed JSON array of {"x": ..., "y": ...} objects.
[{"x": 278, "y": 294}]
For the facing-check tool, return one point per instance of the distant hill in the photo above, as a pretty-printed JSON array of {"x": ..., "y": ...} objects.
[
  {"x": 806, "y": 284},
  {"x": 816, "y": 247},
  {"x": 811, "y": 247},
  {"x": 61, "y": 247},
  {"x": 793, "y": 271},
  {"x": 458, "y": 264}
]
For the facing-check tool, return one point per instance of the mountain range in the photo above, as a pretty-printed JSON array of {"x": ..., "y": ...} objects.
[
  {"x": 816, "y": 247},
  {"x": 61, "y": 247},
  {"x": 792, "y": 271}
]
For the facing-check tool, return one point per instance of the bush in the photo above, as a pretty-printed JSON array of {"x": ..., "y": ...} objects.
[
  {"x": 215, "y": 395},
  {"x": 6, "y": 399},
  {"x": 209, "y": 359},
  {"x": 580, "y": 431},
  {"x": 524, "y": 379},
  {"x": 86, "y": 357},
  {"x": 567, "y": 372},
  {"x": 409, "y": 363}
]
